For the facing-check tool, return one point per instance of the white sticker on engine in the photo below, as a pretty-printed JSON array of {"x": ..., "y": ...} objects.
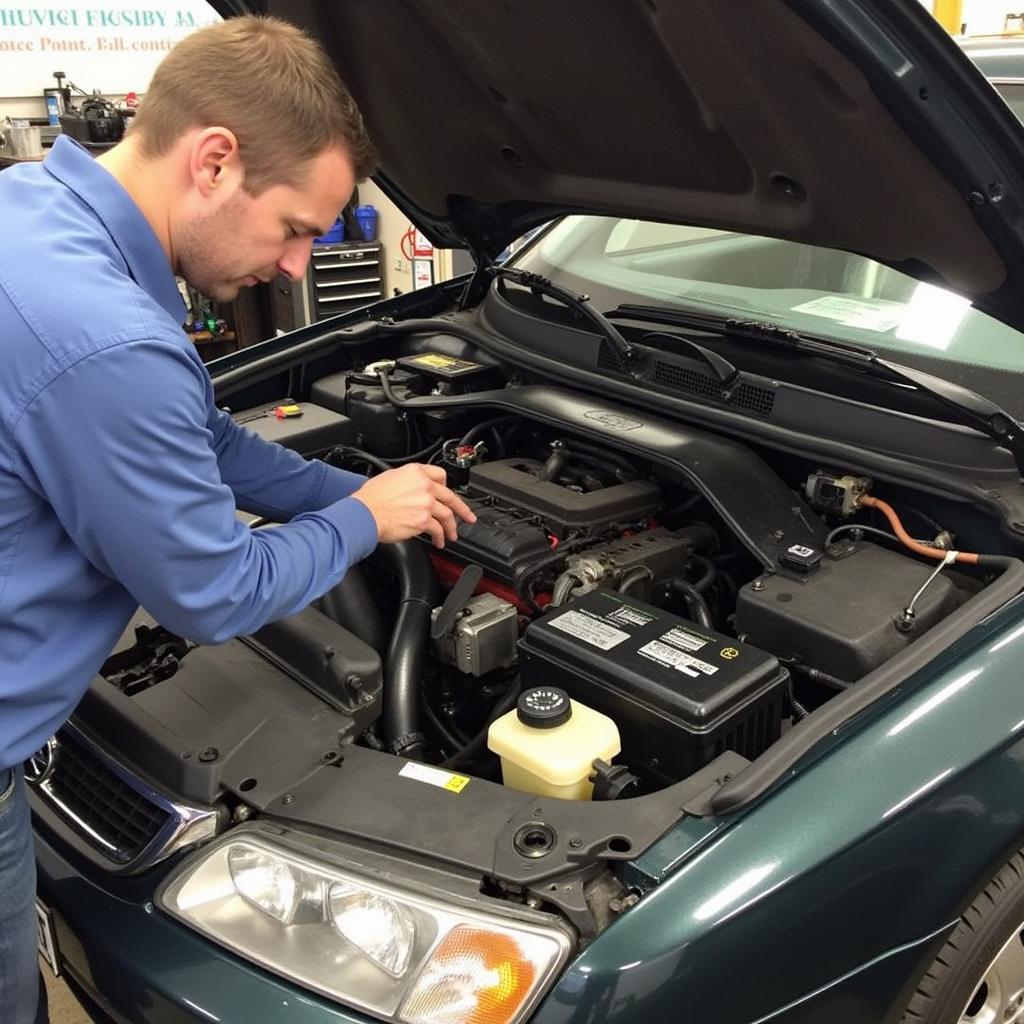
[
  {"x": 591, "y": 631},
  {"x": 687, "y": 641},
  {"x": 677, "y": 659}
]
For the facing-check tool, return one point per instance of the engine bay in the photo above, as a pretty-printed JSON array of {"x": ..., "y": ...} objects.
[
  {"x": 713, "y": 563},
  {"x": 699, "y": 595}
]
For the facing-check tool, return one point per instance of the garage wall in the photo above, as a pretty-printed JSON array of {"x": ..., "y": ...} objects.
[
  {"x": 98, "y": 44},
  {"x": 391, "y": 226},
  {"x": 984, "y": 17}
]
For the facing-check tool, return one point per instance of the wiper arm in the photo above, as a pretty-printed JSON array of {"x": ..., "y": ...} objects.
[
  {"x": 969, "y": 408},
  {"x": 542, "y": 286}
]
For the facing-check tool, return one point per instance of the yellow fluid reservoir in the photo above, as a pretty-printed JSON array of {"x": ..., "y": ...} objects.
[{"x": 548, "y": 742}]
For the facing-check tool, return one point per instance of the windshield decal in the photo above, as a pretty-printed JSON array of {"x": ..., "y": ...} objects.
[{"x": 868, "y": 316}]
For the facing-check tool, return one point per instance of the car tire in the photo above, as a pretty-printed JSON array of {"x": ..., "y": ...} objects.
[{"x": 978, "y": 976}]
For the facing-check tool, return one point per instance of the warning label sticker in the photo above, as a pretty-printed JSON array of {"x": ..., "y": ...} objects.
[
  {"x": 677, "y": 659},
  {"x": 630, "y": 616},
  {"x": 438, "y": 361},
  {"x": 435, "y": 777},
  {"x": 684, "y": 639},
  {"x": 590, "y": 630}
]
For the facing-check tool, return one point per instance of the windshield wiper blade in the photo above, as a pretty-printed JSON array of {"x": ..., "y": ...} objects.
[
  {"x": 968, "y": 407},
  {"x": 541, "y": 285}
]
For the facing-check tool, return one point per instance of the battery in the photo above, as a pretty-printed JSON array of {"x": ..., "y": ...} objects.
[{"x": 680, "y": 693}]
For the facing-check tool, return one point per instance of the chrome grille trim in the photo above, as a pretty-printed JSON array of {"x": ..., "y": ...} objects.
[{"x": 184, "y": 825}]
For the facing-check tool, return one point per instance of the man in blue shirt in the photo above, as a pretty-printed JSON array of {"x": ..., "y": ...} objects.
[{"x": 119, "y": 477}]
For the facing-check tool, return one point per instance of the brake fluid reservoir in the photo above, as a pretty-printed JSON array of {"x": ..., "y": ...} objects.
[{"x": 548, "y": 743}]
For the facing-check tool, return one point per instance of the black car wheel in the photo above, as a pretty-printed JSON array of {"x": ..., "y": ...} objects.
[{"x": 978, "y": 977}]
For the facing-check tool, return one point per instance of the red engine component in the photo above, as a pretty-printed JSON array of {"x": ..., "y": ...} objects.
[{"x": 448, "y": 572}]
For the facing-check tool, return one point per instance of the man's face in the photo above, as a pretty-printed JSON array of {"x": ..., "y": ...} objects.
[{"x": 234, "y": 238}]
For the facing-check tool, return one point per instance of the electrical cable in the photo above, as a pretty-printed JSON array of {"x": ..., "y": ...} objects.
[
  {"x": 383, "y": 464},
  {"x": 449, "y": 737},
  {"x": 967, "y": 557},
  {"x": 344, "y": 449},
  {"x": 479, "y": 741},
  {"x": 830, "y": 539},
  {"x": 563, "y": 588},
  {"x": 475, "y": 431}
]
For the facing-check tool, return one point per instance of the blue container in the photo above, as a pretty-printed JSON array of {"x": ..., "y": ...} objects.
[
  {"x": 366, "y": 217},
  {"x": 335, "y": 234}
]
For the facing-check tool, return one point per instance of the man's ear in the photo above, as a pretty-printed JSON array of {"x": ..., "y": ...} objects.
[{"x": 215, "y": 161}]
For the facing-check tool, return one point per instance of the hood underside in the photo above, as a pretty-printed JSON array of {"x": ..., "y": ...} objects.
[{"x": 793, "y": 120}]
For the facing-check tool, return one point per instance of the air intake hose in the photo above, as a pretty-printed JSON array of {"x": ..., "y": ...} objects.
[{"x": 407, "y": 649}]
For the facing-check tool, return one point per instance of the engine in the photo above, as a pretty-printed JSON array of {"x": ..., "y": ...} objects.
[{"x": 668, "y": 579}]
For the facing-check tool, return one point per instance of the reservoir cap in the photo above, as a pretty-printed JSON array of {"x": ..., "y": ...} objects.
[{"x": 544, "y": 707}]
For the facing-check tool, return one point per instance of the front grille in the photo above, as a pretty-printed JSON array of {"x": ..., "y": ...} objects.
[{"x": 108, "y": 812}]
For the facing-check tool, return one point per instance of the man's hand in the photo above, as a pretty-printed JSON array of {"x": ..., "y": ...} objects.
[{"x": 411, "y": 500}]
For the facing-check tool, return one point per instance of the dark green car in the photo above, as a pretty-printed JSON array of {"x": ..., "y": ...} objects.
[{"x": 740, "y": 425}]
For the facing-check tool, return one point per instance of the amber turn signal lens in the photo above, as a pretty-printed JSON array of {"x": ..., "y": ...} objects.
[{"x": 473, "y": 977}]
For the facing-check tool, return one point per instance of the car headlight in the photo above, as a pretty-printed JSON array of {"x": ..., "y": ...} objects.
[{"x": 397, "y": 954}]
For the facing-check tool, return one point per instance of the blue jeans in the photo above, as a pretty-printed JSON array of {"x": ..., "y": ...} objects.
[{"x": 22, "y": 996}]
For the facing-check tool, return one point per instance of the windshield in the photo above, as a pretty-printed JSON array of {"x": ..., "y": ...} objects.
[{"x": 799, "y": 287}]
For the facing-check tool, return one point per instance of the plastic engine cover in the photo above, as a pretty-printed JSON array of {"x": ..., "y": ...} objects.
[{"x": 842, "y": 618}]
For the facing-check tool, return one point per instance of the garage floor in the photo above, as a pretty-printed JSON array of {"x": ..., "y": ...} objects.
[{"x": 64, "y": 1008}]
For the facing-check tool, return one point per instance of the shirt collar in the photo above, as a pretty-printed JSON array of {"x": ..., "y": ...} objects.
[{"x": 71, "y": 164}]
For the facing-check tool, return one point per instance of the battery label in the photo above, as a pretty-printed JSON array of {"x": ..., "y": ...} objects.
[
  {"x": 590, "y": 630},
  {"x": 627, "y": 616},
  {"x": 684, "y": 639},
  {"x": 677, "y": 659}
]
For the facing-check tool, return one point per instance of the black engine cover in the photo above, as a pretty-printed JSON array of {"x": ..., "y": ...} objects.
[{"x": 502, "y": 541}]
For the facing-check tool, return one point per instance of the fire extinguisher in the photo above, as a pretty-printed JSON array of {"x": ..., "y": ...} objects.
[{"x": 416, "y": 248}]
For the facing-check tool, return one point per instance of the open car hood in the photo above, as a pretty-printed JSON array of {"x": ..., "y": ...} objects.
[{"x": 851, "y": 124}]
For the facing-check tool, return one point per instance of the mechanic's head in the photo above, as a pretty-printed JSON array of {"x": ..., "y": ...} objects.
[{"x": 255, "y": 145}]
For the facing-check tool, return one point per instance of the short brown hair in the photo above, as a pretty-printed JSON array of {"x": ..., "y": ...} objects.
[{"x": 270, "y": 84}]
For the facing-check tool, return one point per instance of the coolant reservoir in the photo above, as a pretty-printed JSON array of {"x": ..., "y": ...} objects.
[{"x": 548, "y": 743}]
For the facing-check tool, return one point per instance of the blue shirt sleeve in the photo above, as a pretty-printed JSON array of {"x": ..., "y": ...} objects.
[
  {"x": 268, "y": 479},
  {"x": 120, "y": 447}
]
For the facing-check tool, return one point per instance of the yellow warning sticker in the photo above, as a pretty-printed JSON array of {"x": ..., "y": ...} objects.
[
  {"x": 439, "y": 361},
  {"x": 435, "y": 359},
  {"x": 435, "y": 777}
]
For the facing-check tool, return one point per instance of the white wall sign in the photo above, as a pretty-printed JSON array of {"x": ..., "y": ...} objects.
[{"x": 97, "y": 45}]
